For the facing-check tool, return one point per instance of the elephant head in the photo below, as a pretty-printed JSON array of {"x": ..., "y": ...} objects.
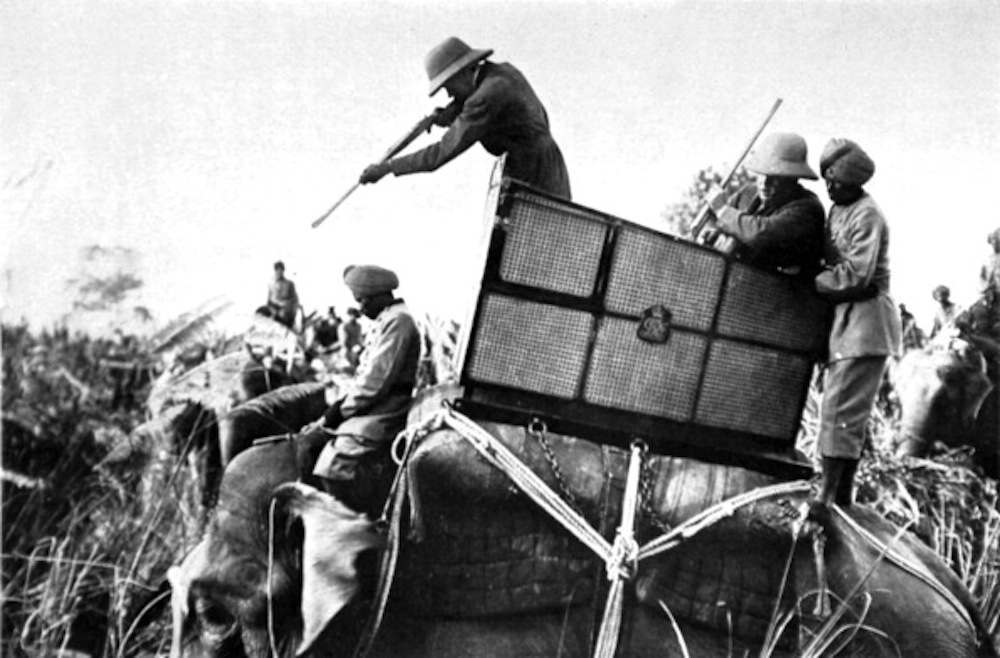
[
  {"x": 280, "y": 411},
  {"x": 941, "y": 392},
  {"x": 276, "y": 566}
]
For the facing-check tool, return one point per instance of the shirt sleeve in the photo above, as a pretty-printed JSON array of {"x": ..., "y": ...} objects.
[
  {"x": 793, "y": 223},
  {"x": 850, "y": 277},
  {"x": 475, "y": 120},
  {"x": 379, "y": 371}
]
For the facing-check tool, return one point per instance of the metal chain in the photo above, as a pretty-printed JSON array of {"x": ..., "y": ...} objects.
[
  {"x": 646, "y": 484},
  {"x": 537, "y": 429}
]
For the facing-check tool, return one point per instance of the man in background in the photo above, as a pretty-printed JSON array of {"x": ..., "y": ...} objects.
[
  {"x": 349, "y": 337},
  {"x": 282, "y": 300},
  {"x": 946, "y": 312}
]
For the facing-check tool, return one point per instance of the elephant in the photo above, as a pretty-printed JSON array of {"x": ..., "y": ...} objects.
[
  {"x": 946, "y": 395},
  {"x": 258, "y": 377},
  {"x": 280, "y": 411},
  {"x": 286, "y": 569}
]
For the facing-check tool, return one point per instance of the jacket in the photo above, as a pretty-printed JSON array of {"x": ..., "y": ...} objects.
[
  {"x": 377, "y": 400},
  {"x": 785, "y": 233},
  {"x": 856, "y": 280},
  {"x": 505, "y": 116}
]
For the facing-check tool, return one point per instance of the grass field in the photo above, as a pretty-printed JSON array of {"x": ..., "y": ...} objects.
[{"x": 94, "y": 512}]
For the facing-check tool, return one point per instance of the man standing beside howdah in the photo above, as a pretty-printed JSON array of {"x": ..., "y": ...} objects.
[
  {"x": 493, "y": 104},
  {"x": 866, "y": 326}
]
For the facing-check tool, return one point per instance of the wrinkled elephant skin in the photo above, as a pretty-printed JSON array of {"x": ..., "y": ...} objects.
[
  {"x": 945, "y": 396},
  {"x": 223, "y": 606}
]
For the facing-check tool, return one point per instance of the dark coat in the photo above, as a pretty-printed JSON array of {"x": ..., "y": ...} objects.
[
  {"x": 784, "y": 234},
  {"x": 505, "y": 116}
]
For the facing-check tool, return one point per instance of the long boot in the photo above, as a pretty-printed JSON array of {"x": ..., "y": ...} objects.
[
  {"x": 834, "y": 470},
  {"x": 845, "y": 487}
]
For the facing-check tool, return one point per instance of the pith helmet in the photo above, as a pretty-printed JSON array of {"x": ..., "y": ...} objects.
[
  {"x": 448, "y": 58},
  {"x": 781, "y": 154}
]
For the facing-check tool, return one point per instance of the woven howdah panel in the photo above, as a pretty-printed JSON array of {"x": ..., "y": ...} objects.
[
  {"x": 753, "y": 389},
  {"x": 551, "y": 247},
  {"x": 771, "y": 309},
  {"x": 531, "y": 346},
  {"x": 655, "y": 379},
  {"x": 650, "y": 268}
]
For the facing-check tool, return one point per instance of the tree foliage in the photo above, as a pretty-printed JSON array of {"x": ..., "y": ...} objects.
[
  {"x": 679, "y": 216},
  {"x": 106, "y": 276}
]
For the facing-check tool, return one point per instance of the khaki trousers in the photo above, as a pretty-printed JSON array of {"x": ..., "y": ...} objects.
[{"x": 849, "y": 392}]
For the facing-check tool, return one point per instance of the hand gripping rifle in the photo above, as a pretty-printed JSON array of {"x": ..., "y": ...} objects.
[
  {"x": 702, "y": 217},
  {"x": 424, "y": 125}
]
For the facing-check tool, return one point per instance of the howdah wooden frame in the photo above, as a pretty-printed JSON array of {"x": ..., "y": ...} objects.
[{"x": 577, "y": 416}]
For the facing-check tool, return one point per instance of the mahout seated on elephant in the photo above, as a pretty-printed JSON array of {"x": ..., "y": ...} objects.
[{"x": 493, "y": 575}]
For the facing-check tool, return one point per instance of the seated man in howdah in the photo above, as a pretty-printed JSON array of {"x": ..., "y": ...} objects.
[{"x": 777, "y": 223}]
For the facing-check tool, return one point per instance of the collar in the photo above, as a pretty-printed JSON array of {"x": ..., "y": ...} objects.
[{"x": 394, "y": 308}]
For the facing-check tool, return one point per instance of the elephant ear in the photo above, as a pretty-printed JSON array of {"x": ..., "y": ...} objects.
[
  {"x": 180, "y": 578},
  {"x": 334, "y": 536}
]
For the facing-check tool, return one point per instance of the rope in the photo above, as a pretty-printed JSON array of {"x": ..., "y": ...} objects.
[
  {"x": 716, "y": 513},
  {"x": 623, "y": 555},
  {"x": 270, "y": 575},
  {"x": 391, "y": 519},
  {"x": 620, "y": 563},
  {"x": 620, "y": 557},
  {"x": 497, "y": 454}
]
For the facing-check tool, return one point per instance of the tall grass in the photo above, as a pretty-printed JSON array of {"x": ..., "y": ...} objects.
[
  {"x": 94, "y": 513},
  {"x": 945, "y": 502}
]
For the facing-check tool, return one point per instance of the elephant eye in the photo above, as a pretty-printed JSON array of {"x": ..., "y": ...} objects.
[{"x": 214, "y": 618}]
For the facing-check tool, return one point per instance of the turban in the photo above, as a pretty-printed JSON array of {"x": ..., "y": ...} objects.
[
  {"x": 369, "y": 280},
  {"x": 844, "y": 161}
]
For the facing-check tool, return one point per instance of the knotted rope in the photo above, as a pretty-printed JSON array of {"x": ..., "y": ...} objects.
[{"x": 620, "y": 557}]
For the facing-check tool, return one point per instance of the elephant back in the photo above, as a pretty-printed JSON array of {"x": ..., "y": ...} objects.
[{"x": 481, "y": 548}]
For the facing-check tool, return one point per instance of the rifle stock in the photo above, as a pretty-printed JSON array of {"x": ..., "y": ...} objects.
[{"x": 419, "y": 127}]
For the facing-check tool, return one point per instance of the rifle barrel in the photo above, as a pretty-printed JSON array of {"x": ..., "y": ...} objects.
[
  {"x": 702, "y": 217},
  {"x": 420, "y": 126}
]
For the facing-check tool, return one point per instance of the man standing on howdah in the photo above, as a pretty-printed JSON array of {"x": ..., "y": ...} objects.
[
  {"x": 362, "y": 422},
  {"x": 777, "y": 223},
  {"x": 866, "y": 326},
  {"x": 493, "y": 104}
]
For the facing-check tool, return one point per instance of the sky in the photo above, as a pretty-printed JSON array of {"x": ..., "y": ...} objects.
[{"x": 204, "y": 136}]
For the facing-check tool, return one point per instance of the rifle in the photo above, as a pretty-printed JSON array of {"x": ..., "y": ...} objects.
[
  {"x": 424, "y": 125},
  {"x": 702, "y": 217}
]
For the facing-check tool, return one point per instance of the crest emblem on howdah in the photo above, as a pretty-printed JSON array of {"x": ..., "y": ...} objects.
[{"x": 654, "y": 324}]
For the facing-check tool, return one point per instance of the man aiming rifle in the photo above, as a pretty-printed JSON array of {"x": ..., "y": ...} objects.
[{"x": 493, "y": 104}]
